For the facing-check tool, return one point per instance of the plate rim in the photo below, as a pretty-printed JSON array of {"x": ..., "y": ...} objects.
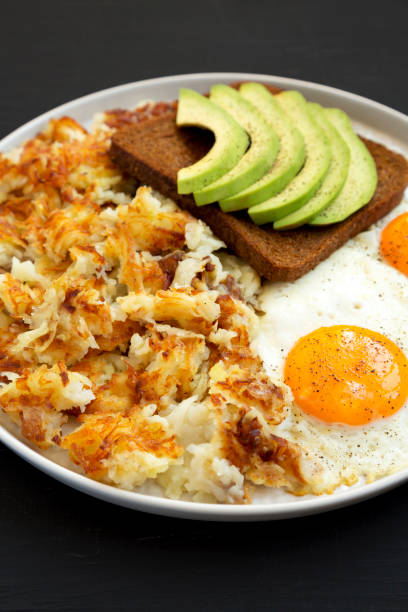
[{"x": 180, "y": 508}]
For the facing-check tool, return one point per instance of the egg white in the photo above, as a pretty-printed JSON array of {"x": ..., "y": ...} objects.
[{"x": 354, "y": 286}]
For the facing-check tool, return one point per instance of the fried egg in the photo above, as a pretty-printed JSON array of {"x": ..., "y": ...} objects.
[
  {"x": 394, "y": 243},
  {"x": 338, "y": 339}
]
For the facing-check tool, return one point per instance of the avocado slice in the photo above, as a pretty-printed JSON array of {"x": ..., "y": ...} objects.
[
  {"x": 333, "y": 181},
  {"x": 288, "y": 161},
  {"x": 361, "y": 181},
  {"x": 231, "y": 141},
  {"x": 260, "y": 155},
  {"x": 309, "y": 179}
]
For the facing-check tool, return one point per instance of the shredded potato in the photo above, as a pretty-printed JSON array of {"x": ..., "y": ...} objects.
[{"x": 120, "y": 318}]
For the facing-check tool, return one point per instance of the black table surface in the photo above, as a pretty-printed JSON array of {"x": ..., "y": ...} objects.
[{"x": 62, "y": 550}]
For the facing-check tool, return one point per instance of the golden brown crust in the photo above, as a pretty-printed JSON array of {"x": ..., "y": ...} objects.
[
  {"x": 265, "y": 459},
  {"x": 154, "y": 150}
]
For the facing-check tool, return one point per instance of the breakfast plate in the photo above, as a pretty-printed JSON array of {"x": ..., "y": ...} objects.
[{"x": 372, "y": 120}]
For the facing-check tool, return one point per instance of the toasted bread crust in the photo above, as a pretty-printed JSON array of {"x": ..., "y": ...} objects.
[{"x": 154, "y": 150}]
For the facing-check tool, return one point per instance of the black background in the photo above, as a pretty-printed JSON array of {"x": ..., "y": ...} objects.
[{"x": 61, "y": 550}]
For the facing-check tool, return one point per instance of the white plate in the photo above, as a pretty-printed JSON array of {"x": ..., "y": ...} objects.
[{"x": 372, "y": 119}]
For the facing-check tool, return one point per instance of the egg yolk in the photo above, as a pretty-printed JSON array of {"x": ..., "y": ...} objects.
[
  {"x": 394, "y": 243},
  {"x": 347, "y": 374}
]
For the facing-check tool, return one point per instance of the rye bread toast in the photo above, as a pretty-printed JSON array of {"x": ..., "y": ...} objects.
[{"x": 154, "y": 149}]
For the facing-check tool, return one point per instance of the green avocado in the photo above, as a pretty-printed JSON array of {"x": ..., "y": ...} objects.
[
  {"x": 256, "y": 161},
  {"x": 231, "y": 141},
  {"x": 361, "y": 181},
  {"x": 288, "y": 161},
  {"x": 308, "y": 180},
  {"x": 333, "y": 181}
]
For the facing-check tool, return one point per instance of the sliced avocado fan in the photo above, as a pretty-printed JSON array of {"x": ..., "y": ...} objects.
[
  {"x": 288, "y": 161},
  {"x": 308, "y": 180},
  {"x": 256, "y": 161},
  {"x": 333, "y": 181},
  {"x": 231, "y": 141},
  {"x": 361, "y": 181}
]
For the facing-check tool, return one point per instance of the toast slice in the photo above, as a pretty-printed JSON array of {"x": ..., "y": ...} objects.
[{"x": 154, "y": 149}]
